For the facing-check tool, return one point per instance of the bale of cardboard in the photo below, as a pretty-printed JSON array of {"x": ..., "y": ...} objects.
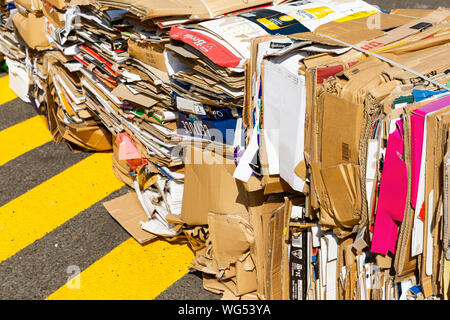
[{"x": 298, "y": 147}]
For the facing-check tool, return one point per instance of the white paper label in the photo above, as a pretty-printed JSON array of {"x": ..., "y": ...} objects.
[{"x": 190, "y": 106}]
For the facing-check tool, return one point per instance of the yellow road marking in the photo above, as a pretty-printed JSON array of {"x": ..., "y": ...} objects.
[
  {"x": 47, "y": 206},
  {"x": 22, "y": 137},
  {"x": 130, "y": 271},
  {"x": 6, "y": 94}
]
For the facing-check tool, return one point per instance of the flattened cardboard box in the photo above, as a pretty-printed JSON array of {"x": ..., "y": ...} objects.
[
  {"x": 31, "y": 29},
  {"x": 211, "y": 188},
  {"x": 149, "y": 53},
  {"x": 59, "y": 4},
  {"x": 128, "y": 211},
  {"x": 204, "y": 9},
  {"x": 231, "y": 236},
  {"x": 33, "y": 6},
  {"x": 55, "y": 17}
]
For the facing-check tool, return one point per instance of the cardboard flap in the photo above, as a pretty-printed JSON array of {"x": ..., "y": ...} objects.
[
  {"x": 346, "y": 118},
  {"x": 366, "y": 28},
  {"x": 211, "y": 187},
  {"x": 231, "y": 236},
  {"x": 31, "y": 29},
  {"x": 342, "y": 185},
  {"x": 245, "y": 276},
  {"x": 128, "y": 211},
  {"x": 33, "y": 6}
]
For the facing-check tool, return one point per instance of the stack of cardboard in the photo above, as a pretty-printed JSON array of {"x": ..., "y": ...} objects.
[
  {"x": 371, "y": 157},
  {"x": 9, "y": 46},
  {"x": 28, "y": 25},
  {"x": 299, "y": 147},
  {"x": 13, "y": 51},
  {"x": 213, "y": 56}
]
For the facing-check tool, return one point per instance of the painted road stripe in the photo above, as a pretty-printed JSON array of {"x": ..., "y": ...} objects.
[
  {"x": 42, "y": 209},
  {"x": 23, "y": 137},
  {"x": 14, "y": 112},
  {"x": 30, "y": 169},
  {"x": 41, "y": 268},
  {"x": 6, "y": 93},
  {"x": 130, "y": 271}
]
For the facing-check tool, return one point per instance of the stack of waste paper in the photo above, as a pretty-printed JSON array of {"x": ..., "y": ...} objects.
[
  {"x": 300, "y": 148},
  {"x": 13, "y": 51}
]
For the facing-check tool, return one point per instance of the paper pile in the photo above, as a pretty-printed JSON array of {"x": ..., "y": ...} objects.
[
  {"x": 371, "y": 158},
  {"x": 299, "y": 147},
  {"x": 14, "y": 52}
]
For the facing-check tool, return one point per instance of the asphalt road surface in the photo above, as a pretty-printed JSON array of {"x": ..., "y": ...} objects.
[{"x": 53, "y": 224}]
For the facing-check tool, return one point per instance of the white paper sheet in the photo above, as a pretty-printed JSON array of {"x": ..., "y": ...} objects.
[{"x": 285, "y": 104}]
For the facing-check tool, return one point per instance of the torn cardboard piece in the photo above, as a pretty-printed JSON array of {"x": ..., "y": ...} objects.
[{"x": 128, "y": 212}]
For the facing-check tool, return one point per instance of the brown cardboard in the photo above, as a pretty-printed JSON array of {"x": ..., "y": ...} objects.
[
  {"x": 432, "y": 161},
  {"x": 128, "y": 211},
  {"x": 205, "y": 263},
  {"x": 275, "y": 184},
  {"x": 260, "y": 214},
  {"x": 230, "y": 291},
  {"x": 330, "y": 180},
  {"x": 195, "y": 9},
  {"x": 84, "y": 137},
  {"x": 94, "y": 138},
  {"x": 285, "y": 245},
  {"x": 215, "y": 8},
  {"x": 250, "y": 296},
  {"x": 123, "y": 92},
  {"x": 404, "y": 263},
  {"x": 59, "y": 4},
  {"x": 420, "y": 13},
  {"x": 211, "y": 188},
  {"x": 384, "y": 261},
  {"x": 31, "y": 29},
  {"x": 344, "y": 194},
  {"x": 443, "y": 121},
  {"x": 274, "y": 254},
  {"x": 174, "y": 218},
  {"x": 356, "y": 30},
  {"x": 211, "y": 284},
  {"x": 54, "y": 16},
  {"x": 34, "y": 6},
  {"x": 245, "y": 276},
  {"x": 446, "y": 214},
  {"x": 149, "y": 53},
  {"x": 230, "y": 236},
  {"x": 343, "y": 117},
  {"x": 196, "y": 236}
]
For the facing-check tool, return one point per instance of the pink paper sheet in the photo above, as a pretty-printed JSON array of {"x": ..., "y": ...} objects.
[
  {"x": 392, "y": 196},
  {"x": 127, "y": 148}
]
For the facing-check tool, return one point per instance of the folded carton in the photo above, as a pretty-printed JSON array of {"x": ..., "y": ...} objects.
[
  {"x": 31, "y": 30},
  {"x": 211, "y": 188}
]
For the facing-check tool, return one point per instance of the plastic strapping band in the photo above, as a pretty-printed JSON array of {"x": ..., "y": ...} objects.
[
  {"x": 207, "y": 8},
  {"x": 388, "y": 61}
]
